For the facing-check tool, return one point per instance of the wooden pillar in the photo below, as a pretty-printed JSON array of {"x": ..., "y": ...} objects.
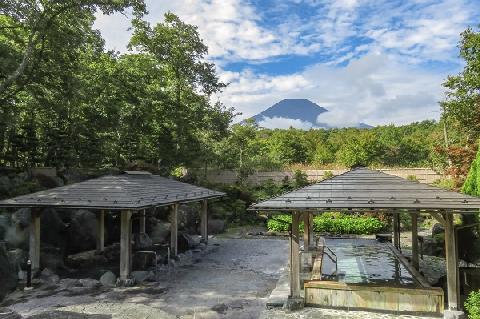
[
  {"x": 142, "y": 222},
  {"x": 295, "y": 257},
  {"x": 452, "y": 263},
  {"x": 100, "y": 231},
  {"x": 310, "y": 225},
  {"x": 396, "y": 230},
  {"x": 34, "y": 240},
  {"x": 125, "y": 244},
  {"x": 415, "y": 259},
  {"x": 204, "y": 221},
  {"x": 306, "y": 231},
  {"x": 174, "y": 230}
]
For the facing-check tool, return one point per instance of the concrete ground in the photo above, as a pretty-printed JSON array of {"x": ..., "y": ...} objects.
[{"x": 231, "y": 279}]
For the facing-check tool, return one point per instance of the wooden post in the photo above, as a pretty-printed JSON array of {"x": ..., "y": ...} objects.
[
  {"x": 142, "y": 222},
  {"x": 306, "y": 231},
  {"x": 125, "y": 244},
  {"x": 174, "y": 230},
  {"x": 415, "y": 259},
  {"x": 452, "y": 263},
  {"x": 34, "y": 240},
  {"x": 100, "y": 231},
  {"x": 295, "y": 257},
  {"x": 396, "y": 230},
  {"x": 310, "y": 225},
  {"x": 204, "y": 221}
]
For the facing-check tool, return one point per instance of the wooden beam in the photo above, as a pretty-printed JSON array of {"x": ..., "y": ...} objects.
[
  {"x": 415, "y": 259},
  {"x": 204, "y": 221},
  {"x": 142, "y": 222},
  {"x": 174, "y": 230},
  {"x": 100, "y": 247},
  {"x": 396, "y": 230},
  {"x": 295, "y": 257},
  {"x": 125, "y": 244},
  {"x": 34, "y": 239},
  {"x": 306, "y": 231},
  {"x": 452, "y": 264},
  {"x": 439, "y": 218}
]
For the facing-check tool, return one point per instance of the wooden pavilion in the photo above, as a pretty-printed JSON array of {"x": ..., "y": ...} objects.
[
  {"x": 130, "y": 193},
  {"x": 368, "y": 190}
]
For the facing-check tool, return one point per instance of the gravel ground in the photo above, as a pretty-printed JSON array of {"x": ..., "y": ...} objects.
[{"x": 231, "y": 279}]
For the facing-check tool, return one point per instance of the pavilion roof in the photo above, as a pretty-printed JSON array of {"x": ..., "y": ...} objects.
[
  {"x": 366, "y": 189},
  {"x": 131, "y": 190}
]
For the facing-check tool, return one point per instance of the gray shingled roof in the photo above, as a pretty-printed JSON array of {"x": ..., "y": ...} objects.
[
  {"x": 363, "y": 188},
  {"x": 133, "y": 190}
]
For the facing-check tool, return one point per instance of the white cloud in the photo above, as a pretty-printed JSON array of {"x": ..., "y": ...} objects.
[{"x": 284, "y": 123}]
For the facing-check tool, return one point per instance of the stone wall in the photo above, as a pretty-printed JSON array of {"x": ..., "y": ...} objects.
[{"x": 423, "y": 175}]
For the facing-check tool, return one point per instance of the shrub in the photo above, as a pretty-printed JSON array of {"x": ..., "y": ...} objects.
[
  {"x": 472, "y": 305},
  {"x": 336, "y": 223}
]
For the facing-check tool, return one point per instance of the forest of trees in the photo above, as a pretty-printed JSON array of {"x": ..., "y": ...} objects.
[{"x": 65, "y": 101}]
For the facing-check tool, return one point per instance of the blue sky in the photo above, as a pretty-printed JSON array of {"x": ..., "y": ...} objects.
[{"x": 378, "y": 62}]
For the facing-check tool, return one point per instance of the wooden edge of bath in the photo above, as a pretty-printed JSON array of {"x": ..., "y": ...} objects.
[{"x": 355, "y": 287}]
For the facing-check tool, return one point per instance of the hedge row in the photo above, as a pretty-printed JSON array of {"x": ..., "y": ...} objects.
[{"x": 335, "y": 223}]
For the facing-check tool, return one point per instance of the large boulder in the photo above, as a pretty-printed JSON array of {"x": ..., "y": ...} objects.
[
  {"x": 186, "y": 241},
  {"x": 160, "y": 232},
  {"x": 188, "y": 217},
  {"x": 437, "y": 229},
  {"x": 8, "y": 274},
  {"x": 53, "y": 229},
  {"x": 141, "y": 241},
  {"x": 216, "y": 226},
  {"x": 81, "y": 233},
  {"x": 52, "y": 257},
  {"x": 108, "y": 279}
]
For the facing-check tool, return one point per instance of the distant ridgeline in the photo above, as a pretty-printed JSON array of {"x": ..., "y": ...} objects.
[{"x": 298, "y": 109}]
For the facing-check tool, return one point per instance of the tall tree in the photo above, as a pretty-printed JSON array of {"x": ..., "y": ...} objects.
[
  {"x": 462, "y": 103},
  {"x": 190, "y": 80}
]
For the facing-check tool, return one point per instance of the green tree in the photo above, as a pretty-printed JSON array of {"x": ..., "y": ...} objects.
[{"x": 462, "y": 103}]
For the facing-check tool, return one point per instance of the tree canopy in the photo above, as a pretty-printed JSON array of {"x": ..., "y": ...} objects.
[{"x": 74, "y": 104}]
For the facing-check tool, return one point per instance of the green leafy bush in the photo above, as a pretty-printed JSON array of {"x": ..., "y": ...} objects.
[
  {"x": 336, "y": 223},
  {"x": 472, "y": 305}
]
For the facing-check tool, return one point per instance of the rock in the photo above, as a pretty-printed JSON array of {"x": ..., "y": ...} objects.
[
  {"x": 49, "y": 276},
  {"x": 160, "y": 233},
  {"x": 141, "y": 241},
  {"x": 125, "y": 282},
  {"x": 8, "y": 274},
  {"x": 187, "y": 217},
  {"x": 52, "y": 258},
  {"x": 89, "y": 283},
  {"x": 6, "y": 313},
  {"x": 437, "y": 229},
  {"x": 142, "y": 275},
  {"x": 69, "y": 283},
  {"x": 432, "y": 247},
  {"x": 186, "y": 241},
  {"x": 216, "y": 226},
  {"x": 108, "y": 279},
  {"x": 53, "y": 229},
  {"x": 86, "y": 259},
  {"x": 81, "y": 234}
]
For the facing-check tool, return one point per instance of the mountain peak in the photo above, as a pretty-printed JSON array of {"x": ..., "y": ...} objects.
[
  {"x": 300, "y": 113},
  {"x": 298, "y": 109}
]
